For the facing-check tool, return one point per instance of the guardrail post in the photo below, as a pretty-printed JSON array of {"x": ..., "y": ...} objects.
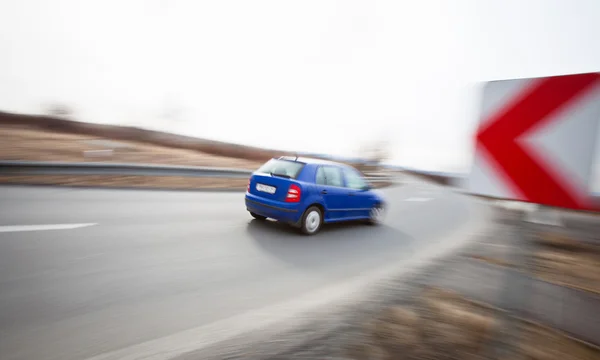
[{"x": 516, "y": 289}]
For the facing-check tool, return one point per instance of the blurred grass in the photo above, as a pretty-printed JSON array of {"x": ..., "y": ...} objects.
[
  {"x": 563, "y": 260},
  {"x": 491, "y": 260},
  {"x": 442, "y": 325},
  {"x": 62, "y": 125},
  {"x": 17, "y": 143},
  {"x": 543, "y": 343}
]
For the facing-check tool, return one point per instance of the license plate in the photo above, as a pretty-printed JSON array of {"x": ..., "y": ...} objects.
[{"x": 265, "y": 188}]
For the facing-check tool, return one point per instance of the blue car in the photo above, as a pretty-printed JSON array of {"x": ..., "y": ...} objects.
[{"x": 306, "y": 193}]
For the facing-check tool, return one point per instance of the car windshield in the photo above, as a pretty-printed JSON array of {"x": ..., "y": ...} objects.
[{"x": 284, "y": 168}]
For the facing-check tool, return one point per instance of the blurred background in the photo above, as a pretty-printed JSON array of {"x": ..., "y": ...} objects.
[
  {"x": 392, "y": 87},
  {"x": 331, "y": 75}
]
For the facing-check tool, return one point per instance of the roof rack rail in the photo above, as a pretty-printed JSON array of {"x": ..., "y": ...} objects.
[{"x": 289, "y": 157}]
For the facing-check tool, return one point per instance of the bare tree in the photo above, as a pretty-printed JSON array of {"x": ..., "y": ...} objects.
[
  {"x": 59, "y": 110},
  {"x": 374, "y": 153}
]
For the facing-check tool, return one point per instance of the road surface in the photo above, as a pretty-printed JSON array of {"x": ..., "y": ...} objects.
[{"x": 87, "y": 271}]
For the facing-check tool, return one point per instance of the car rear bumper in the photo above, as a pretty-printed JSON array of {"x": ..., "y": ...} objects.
[{"x": 273, "y": 209}]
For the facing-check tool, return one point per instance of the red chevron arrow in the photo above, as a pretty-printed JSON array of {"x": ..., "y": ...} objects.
[{"x": 520, "y": 168}]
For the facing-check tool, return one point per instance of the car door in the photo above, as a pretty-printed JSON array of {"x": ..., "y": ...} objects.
[
  {"x": 359, "y": 201},
  {"x": 330, "y": 186}
]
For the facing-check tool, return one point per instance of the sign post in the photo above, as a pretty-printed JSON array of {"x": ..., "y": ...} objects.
[{"x": 535, "y": 144}]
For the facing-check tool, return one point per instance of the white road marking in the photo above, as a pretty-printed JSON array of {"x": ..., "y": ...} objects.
[
  {"x": 18, "y": 228},
  {"x": 417, "y": 199},
  {"x": 89, "y": 256},
  {"x": 494, "y": 245}
]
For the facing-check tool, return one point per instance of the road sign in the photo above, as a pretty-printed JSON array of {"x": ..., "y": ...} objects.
[{"x": 536, "y": 140}]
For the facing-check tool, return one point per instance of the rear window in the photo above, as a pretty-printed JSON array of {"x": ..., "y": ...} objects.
[{"x": 282, "y": 167}]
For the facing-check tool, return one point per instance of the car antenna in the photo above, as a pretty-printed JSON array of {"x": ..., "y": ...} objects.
[{"x": 296, "y": 159}]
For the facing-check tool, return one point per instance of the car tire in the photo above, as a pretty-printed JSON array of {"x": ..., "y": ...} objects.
[
  {"x": 312, "y": 219},
  {"x": 377, "y": 214},
  {"x": 258, "y": 217}
]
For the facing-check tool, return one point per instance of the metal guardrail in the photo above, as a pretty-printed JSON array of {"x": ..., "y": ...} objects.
[
  {"x": 16, "y": 168},
  {"x": 97, "y": 168}
]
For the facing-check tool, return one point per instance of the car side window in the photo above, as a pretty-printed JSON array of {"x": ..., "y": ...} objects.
[
  {"x": 354, "y": 180},
  {"x": 321, "y": 176},
  {"x": 330, "y": 175}
]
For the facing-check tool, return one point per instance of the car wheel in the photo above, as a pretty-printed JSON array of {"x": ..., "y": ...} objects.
[
  {"x": 311, "y": 221},
  {"x": 377, "y": 214},
  {"x": 258, "y": 217}
]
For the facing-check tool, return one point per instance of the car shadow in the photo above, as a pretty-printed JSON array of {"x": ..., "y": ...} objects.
[{"x": 350, "y": 242}]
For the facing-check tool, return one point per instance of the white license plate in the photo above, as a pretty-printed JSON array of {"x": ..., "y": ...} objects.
[{"x": 265, "y": 188}]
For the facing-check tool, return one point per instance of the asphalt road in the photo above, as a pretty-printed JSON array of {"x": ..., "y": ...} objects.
[{"x": 88, "y": 271}]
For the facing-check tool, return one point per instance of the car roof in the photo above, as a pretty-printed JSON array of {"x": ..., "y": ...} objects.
[{"x": 308, "y": 160}]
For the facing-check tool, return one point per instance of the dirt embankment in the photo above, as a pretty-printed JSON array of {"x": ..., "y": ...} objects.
[
  {"x": 41, "y": 138},
  {"x": 17, "y": 143},
  {"x": 163, "y": 140},
  {"x": 26, "y": 142}
]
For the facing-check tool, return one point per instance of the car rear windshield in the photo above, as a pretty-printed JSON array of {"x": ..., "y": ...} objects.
[{"x": 285, "y": 168}]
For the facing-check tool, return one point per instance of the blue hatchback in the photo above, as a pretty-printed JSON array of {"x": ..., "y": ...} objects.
[{"x": 306, "y": 193}]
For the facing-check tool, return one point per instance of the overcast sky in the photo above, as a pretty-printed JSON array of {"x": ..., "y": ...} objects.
[{"x": 318, "y": 76}]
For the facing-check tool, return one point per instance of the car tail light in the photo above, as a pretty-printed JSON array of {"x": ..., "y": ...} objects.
[
  {"x": 248, "y": 186},
  {"x": 293, "y": 194}
]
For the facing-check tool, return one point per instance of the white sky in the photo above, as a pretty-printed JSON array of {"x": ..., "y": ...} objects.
[{"x": 319, "y": 76}]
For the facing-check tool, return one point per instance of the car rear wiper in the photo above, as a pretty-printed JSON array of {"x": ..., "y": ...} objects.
[{"x": 281, "y": 175}]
